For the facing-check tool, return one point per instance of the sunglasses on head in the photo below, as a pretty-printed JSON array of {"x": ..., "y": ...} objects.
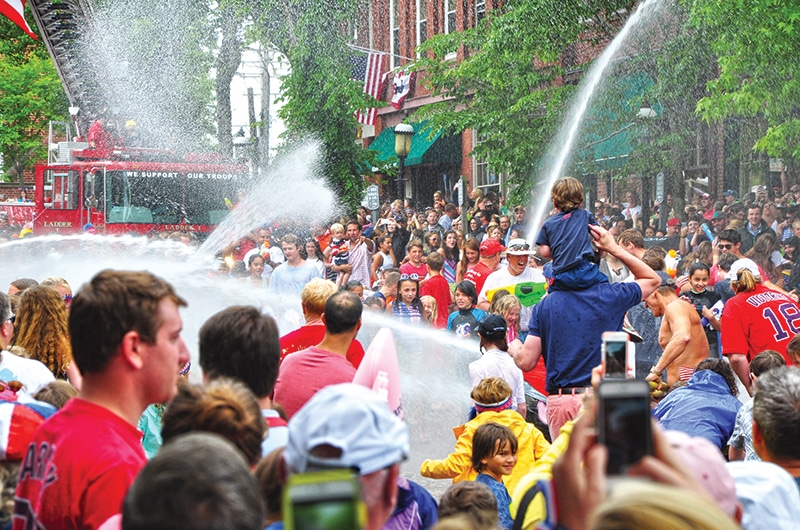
[
  {"x": 413, "y": 276},
  {"x": 519, "y": 248}
]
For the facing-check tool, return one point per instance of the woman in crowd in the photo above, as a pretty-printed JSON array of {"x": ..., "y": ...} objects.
[
  {"x": 41, "y": 330},
  {"x": 312, "y": 253},
  {"x": 432, "y": 242},
  {"x": 470, "y": 257},
  {"x": 474, "y": 231},
  {"x": 407, "y": 304},
  {"x": 451, "y": 253},
  {"x": 256, "y": 278},
  {"x": 765, "y": 254},
  {"x": 383, "y": 259},
  {"x": 755, "y": 319}
]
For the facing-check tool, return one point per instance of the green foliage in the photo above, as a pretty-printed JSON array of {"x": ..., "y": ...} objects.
[
  {"x": 30, "y": 96},
  {"x": 758, "y": 43},
  {"x": 319, "y": 96},
  {"x": 498, "y": 91}
]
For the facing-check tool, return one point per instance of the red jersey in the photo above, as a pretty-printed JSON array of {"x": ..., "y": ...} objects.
[
  {"x": 437, "y": 287},
  {"x": 759, "y": 320},
  {"x": 478, "y": 275},
  {"x": 78, "y": 469},
  {"x": 307, "y": 336}
]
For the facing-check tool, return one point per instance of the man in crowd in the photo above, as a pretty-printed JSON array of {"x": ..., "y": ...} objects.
[
  {"x": 305, "y": 372},
  {"x": 33, "y": 374},
  {"x": 360, "y": 256},
  {"x": 681, "y": 335},
  {"x": 242, "y": 343},
  {"x": 754, "y": 227},
  {"x": 125, "y": 331},
  {"x": 566, "y": 327},
  {"x": 312, "y": 299},
  {"x": 707, "y": 204},
  {"x": 489, "y": 260},
  {"x": 290, "y": 277},
  {"x": 519, "y": 219},
  {"x": 347, "y": 426},
  {"x": 432, "y": 217},
  {"x": 450, "y": 213},
  {"x": 516, "y": 272},
  {"x": 776, "y": 419}
]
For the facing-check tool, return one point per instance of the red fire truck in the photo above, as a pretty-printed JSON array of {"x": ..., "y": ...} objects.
[{"x": 118, "y": 194}]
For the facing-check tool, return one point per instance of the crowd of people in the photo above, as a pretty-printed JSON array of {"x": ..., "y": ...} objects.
[{"x": 117, "y": 437}]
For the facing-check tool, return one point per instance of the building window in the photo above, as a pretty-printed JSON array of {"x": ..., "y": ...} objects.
[
  {"x": 480, "y": 11},
  {"x": 394, "y": 24},
  {"x": 422, "y": 21},
  {"x": 449, "y": 16},
  {"x": 485, "y": 178}
]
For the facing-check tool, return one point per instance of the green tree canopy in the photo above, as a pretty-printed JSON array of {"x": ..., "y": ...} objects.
[{"x": 30, "y": 96}]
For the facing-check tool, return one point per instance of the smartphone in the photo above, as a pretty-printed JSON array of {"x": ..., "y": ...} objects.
[
  {"x": 323, "y": 500},
  {"x": 624, "y": 424},
  {"x": 615, "y": 355}
]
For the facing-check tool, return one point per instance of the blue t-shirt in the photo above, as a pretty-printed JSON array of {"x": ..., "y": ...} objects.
[
  {"x": 567, "y": 235},
  {"x": 570, "y": 324},
  {"x": 291, "y": 280},
  {"x": 503, "y": 499}
]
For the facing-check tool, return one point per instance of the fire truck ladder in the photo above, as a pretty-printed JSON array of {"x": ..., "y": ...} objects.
[{"x": 61, "y": 26}]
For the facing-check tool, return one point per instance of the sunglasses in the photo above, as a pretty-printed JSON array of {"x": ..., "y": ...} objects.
[
  {"x": 518, "y": 248},
  {"x": 726, "y": 246},
  {"x": 413, "y": 276}
]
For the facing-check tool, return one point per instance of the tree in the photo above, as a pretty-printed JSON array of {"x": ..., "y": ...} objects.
[
  {"x": 500, "y": 91},
  {"x": 320, "y": 98},
  {"x": 757, "y": 43},
  {"x": 30, "y": 96}
]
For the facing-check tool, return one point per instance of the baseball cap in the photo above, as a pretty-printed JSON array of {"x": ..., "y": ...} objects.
[
  {"x": 518, "y": 247},
  {"x": 519, "y": 208},
  {"x": 490, "y": 247},
  {"x": 18, "y": 422},
  {"x": 492, "y": 327},
  {"x": 730, "y": 193},
  {"x": 720, "y": 215},
  {"x": 705, "y": 462},
  {"x": 353, "y": 419},
  {"x": 767, "y": 493},
  {"x": 705, "y": 196},
  {"x": 674, "y": 221},
  {"x": 741, "y": 264}
]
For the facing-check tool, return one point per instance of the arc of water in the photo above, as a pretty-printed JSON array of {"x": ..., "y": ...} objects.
[{"x": 561, "y": 146}]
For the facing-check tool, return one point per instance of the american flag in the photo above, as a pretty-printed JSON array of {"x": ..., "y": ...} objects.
[
  {"x": 368, "y": 68},
  {"x": 15, "y": 11}
]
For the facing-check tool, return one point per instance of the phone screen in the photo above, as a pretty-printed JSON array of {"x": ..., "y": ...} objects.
[
  {"x": 616, "y": 364},
  {"x": 625, "y": 429},
  {"x": 326, "y": 515}
]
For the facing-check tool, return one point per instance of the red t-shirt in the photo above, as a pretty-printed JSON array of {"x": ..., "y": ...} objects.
[
  {"x": 409, "y": 269},
  {"x": 537, "y": 377},
  {"x": 307, "y": 336},
  {"x": 437, "y": 287},
  {"x": 759, "y": 320},
  {"x": 304, "y": 373},
  {"x": 478, "y": 275},
  {"x": 78, "y": 469}
]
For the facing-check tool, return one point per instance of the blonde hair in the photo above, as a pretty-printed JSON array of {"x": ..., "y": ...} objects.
[
  {"x": 315, "y": 294},
  {"x": 567, "y": 194},
  {"x": 435, "y": 312},
  {"x": 42, "y": 331},
  {"x": 745, "y": 282},
  {"x": 337, "y": 227},
  {"x": 651, "y": 506},
  {"x": 490, "y": 390},
  {"x": 56, "y": 281},
  {"x": 505, "y": 304}
]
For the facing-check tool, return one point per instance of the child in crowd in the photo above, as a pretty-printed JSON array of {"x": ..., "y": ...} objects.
[
  {"x": 270, "y": 485},
  {"x": 340, "y": 252},
  {"x": 509, "y": 308},
  {"x": 407, "y": 304},
  {"x": 465, "y": 319},
  {"x": 430, "y": 311},
  {"x": 437, "y": 287},
  {"x": 494, "y": 455},
  {"x": 492, "y": 399},
  {"x": 471, "y": 501},
  {"x": 566, "y": 238},
  {"x": 705, "y": 302},
  {"x": 495, "y": 360}
]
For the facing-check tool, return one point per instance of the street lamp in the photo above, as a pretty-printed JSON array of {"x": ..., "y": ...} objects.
[{"x": 402, "y": 146}]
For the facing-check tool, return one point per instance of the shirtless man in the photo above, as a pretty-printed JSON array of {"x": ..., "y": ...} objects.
[{"x": 681, "y": 336}]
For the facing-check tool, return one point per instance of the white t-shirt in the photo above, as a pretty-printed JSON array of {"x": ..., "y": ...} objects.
[
  {"x": 31, "y": 373},
  {"x": 502, "y": 278},
  {"x": 497, "y": 363}
]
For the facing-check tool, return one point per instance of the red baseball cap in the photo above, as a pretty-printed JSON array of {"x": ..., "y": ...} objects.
[
  {"x": 674, "y": 222},
  {"x": 490, "y": 247}
]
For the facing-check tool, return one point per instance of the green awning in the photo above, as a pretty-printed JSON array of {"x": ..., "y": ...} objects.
[
  {"x": 425, "y": 148},
  {"x": 611, "y": 141}
]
